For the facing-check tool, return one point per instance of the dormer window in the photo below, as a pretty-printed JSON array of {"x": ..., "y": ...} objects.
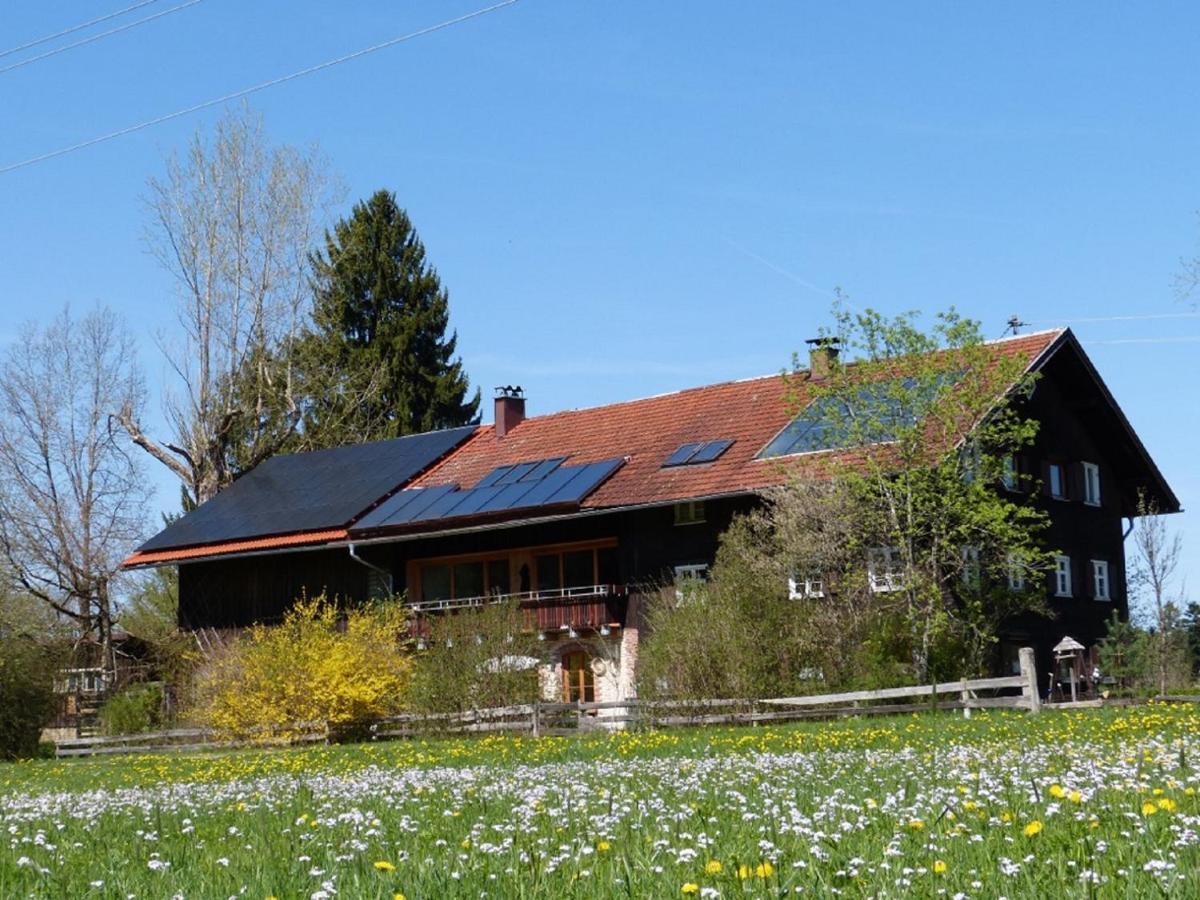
[{"x": 1091, "y": 484}]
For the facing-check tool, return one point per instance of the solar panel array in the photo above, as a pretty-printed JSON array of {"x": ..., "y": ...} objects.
[
  {"x": 523, "y": 486},
  {"x": 696, "y": 453},
  {"x": 874, "y": 414},
  {"x": 308, "y": 491}
]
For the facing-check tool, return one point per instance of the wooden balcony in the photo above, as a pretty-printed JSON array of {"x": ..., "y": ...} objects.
[{"x": 589, "y": 607}]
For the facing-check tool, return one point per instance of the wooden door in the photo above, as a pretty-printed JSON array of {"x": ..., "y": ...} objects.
[{"x": 578, "y": 683}]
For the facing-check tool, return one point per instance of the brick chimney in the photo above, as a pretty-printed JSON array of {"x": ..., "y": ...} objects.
[
  {"x": 822, "y": 353},
  {"x": 510, "y": 408}
]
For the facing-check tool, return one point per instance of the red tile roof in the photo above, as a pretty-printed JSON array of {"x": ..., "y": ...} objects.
[{"x": 645, "y": 431}]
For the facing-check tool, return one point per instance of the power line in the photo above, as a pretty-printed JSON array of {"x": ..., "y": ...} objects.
[
  {"x": 245, "y": 92},
  {"x": 96, "y": 37},
  {"x": 82, "y": 25}
]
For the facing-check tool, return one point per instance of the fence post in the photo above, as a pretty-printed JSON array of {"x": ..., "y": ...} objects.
[
  {"x": 966, "y": 699},
  {"x": 1029, "y": 672},
  {"x": 537, "y": 724}
]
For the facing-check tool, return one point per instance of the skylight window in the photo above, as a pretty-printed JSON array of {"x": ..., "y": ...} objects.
[
  {"x": 875, "y": 414},
  {"x": 698, "y": 452}
]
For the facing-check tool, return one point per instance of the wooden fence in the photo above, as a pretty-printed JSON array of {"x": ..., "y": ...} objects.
[{"x": 541, "y": 719}]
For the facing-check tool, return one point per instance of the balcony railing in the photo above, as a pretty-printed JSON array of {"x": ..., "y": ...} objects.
[{"x": 555, "y": 596}]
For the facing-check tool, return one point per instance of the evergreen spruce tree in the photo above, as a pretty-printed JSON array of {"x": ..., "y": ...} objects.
[{"x": 378, "y": 361}]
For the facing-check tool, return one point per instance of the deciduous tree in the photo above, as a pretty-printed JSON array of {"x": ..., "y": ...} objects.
[
  {"x": 72, "y": 500},
  {"x": 232, "y": 221}
]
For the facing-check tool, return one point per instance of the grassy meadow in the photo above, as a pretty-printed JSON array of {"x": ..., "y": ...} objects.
[{"x": 1095, "y": 803}]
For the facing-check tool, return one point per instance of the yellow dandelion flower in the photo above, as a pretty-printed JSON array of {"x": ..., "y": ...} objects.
[
  {"x": 1149, "y": 809},
  {"x": 603, "y": 846},
  {"x": 764, "y": 870},
  {"x": 691, "y": 888},
  {"x": 939, "y": 867},
  {"x": 713, "y": 867},
  {"x": 1057, "y": 792},
  {"x": 916, "y": 824},
  {"x": 1075, "y": 797},
  {"x": 399, "y": 897},
  {"x": 744, "y": 871},
  {"x": 1189, "y": 792},
  {"x": 1166, "y": 804},
  {"x": 384, "y": 866},
  {"x": 1034, "y": 827}
]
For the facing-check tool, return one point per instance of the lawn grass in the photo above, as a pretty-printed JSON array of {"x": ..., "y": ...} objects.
[{"x": 1089, "y": 803}]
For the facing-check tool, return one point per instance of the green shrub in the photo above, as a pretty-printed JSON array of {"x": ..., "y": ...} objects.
[
  {"x": 475, "y": 659},
  {"x": 137, "y": 708},
  {"x": 26, "y": 695}
]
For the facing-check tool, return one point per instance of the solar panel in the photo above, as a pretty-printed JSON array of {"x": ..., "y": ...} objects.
[
  {"x": 493, "y": 476},
  {"x": 406, "y": 504},
  {"x": 874, "y": 414},
  {"x": 710, "y": 451},
  {"x": 681, "y": 456},
  {"x": 308, "y": 491},
  {"x": 696, "y": 453},
  {"x": 561, "y": 485}
]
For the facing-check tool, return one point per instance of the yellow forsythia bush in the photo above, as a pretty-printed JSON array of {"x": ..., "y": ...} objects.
[{"x": 322, "y": 667}]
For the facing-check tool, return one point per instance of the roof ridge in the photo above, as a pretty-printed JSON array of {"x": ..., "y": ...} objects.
[{"x": 720, "y": 384}]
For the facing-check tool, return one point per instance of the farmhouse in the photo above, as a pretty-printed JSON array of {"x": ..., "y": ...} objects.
[{"x": 579, "y": 514}]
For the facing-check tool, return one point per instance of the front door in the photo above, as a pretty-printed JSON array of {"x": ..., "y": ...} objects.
[{"x": 578, "y": 683}]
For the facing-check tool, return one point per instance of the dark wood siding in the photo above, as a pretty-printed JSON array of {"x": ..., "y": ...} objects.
[{"x": 231, "y": 593}]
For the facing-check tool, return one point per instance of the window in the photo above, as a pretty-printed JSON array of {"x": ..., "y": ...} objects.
[
  {"x": 686, "y": 579},
  {"x": 1062, "y": 576},
  {"x": 549, "y": 571},
  {"x": 808, "y": 587},
  {"x": 1008, "y": 474},
  {"x": 1091, "y": 484},
  {"x": 435, "y": 583},
  {"x": 1016, "y": 573},
  {"x": 1100, "y": 583},
  {"x": 1057, "y": 481},
  {"x": 971, "y": 572},
  {"x": 690, "y": 512},
  {"x": 379, "y": 585},
  {"x": 885, "y": 571}
]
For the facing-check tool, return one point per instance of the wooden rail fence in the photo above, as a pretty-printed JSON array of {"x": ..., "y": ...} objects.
[{"x": 542, "y": 719}]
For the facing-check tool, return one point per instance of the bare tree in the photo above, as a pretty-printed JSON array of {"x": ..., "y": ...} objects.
[
  {"x": 232, "y": 221},
  {"x": 1157, "y": 559},
  {"x": 72, "y": 501}
]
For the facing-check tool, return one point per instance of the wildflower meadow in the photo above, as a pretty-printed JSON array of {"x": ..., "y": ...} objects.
[{"x": 1095, "y": 803}]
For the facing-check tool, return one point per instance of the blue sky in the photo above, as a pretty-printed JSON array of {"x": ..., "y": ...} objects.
[{"x": 626, "y": 198}]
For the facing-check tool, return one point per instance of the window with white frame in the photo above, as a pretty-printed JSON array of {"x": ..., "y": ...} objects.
[
  {"x": 1016, "y": 573},
  {"x": 806, "y": 587},
  {"x": 687, "y": 578},
  {"x": 1008, "y": 472},
  {"x": 690, "y": 512},
  {"x": 885, "y": 569},
  {"x": 1062, "y": 576},
  {"x": 1100, "y": 582},
  {"x": 971, "y": 572},
  {"x": 1058, "y": 481},
  {"x": 1091, "y": 484}
]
